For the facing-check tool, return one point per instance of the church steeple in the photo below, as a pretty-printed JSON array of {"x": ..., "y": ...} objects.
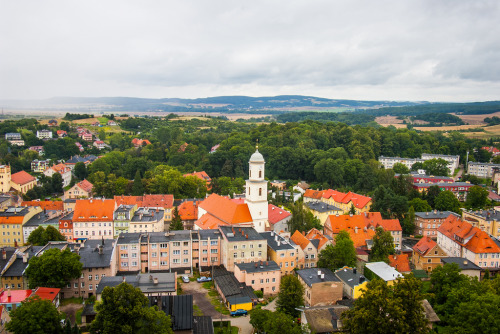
[{"x": 256, "y": 190}]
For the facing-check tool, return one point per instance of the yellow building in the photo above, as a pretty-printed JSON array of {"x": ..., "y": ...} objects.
[
  {"x": 239, "y": 303},
  {"x": 486, "y": 220},
  {"x": 282, "y": 252},
  {"x": 353, "y": 281},
  {"x": 345, "y": 201},
  {"x": 4, "y": 178},
  {"x": 322, "y": 210},
  {"x": 22, "y": 182},
  {"x": 12, "y": 220}
]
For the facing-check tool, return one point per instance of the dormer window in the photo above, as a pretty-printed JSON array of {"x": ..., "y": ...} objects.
[{"x": 93, "y": 217}]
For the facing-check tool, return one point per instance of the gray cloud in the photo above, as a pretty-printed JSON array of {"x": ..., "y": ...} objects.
[{"x": 399, "y": 50}]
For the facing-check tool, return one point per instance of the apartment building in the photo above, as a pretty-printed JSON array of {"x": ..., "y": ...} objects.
[
  {"x": 147, "y": 220},
  {"x": 93, "y": 219},
  {"x": 486, "y": 220},
  {"x": 44, "y": 134},
  {"x": 241, "y": 245},
  {"x": 427, "y": 223},
  {"x": 322, "y": 210},
  {"x": 39, "y": 166},
  {"x": 122, "y": 217},
  {"x": 321, "y": 286},
  {"x": 453, "y": 161},
  {"x": 82, "y": 189},
  {"x": 282, "y": 252},
  {"x": 61, "y": 169},
  {"x": 66, "y": 226},
  {"x": 459, "y": 189},
  {"x": 481, "y": 169},
  {"x": 166, "y": 202},
  {"x": 459, "y": 238},
  {"x": 12, "y": 220},
  {"x": 278, "y": 219},
  {"x": 347, "y": 201},
  {"x": 264, "y": 276}
]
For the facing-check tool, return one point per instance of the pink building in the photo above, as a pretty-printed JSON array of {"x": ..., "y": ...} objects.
[{"x": 264, "y": 276}]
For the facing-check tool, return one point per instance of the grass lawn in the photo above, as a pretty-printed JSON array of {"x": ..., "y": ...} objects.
[
  {"x": 214, "y": 298},
  {"x": 226, "y": 330},
  {"x": 73, "y": 300},
  {"x": 78, "y": 316},
  {"x": 102, "y": 120},
  {"x": 196, "y": 311}
]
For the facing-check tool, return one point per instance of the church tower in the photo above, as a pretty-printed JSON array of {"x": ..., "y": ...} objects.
[
  {"x": 4, "y": 178},
  {"x": 256, "y": 191}
]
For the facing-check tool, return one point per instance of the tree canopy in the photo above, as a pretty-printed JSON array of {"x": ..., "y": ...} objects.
[
  {"x": 41, "y": 236},
  {"x": 291, "y": 295},
  {"x": 343, "y": 253},
  {"x": 54, "y": 268},
  {"x": 383, "y": 245},
  {"x": 35, "y": 316},
  {"x": 447, "y": 201}
]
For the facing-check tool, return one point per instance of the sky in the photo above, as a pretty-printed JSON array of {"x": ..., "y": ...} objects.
[{"x": 434, "y": 50}]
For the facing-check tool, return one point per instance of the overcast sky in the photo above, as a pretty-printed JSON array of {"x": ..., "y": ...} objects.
[{"x": 372, "y": 50}]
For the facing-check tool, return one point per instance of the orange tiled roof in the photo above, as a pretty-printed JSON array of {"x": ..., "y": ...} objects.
[
  {"x": 300, "y": 239},
  {"x": 470, "y": 237},
  {"x": 276, "y": 214},
  {"x": 226, "y": 210},
  {"x": 389, "y": 225},
  {"x": 11, "y": 219},
  {"x": 151, "y": 201},
  {"x": 85, "y": 185},
  {"x": 424, "y": 245},
  {"x": 60, "y": 168},
  {"x": 47, "y": 293},
  {"x": 315, "y": 234},
  {"x": 201, "y": 175},
  {"x": 345, "y": 222},
  {"x": 314, "y": 194},
  {"x": 188, "y": 210},
  {"x": 400, "y": 262},
  {"x": 45, "y": 205},
  {"x": 22, "y": 178},
  {"x": 209, "y": 222},
  {"x": 360, "y": 236},
  {"x": 94, "y": 210}
]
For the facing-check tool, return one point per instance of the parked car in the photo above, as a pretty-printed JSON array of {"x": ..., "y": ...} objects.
[
  {"x": 238, "y": 312},
  {"x": 203, "y": 279},
  {"x": 185, "y": 279}
]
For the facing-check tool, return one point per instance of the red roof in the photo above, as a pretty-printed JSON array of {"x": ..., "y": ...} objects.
[
  {"x": 389, "y": 225},
  {"x": 315, "y": 234},
  {"x": 47, "y": 293},
  {"x": 360, "y": 236},
  {"x": 140, "y": 142},
  {"x": 400, "y": 263},
  {"x": 209, "y": 222},
  {"x": 22, "y": 178},
  {"x": 468, "y": 236},
  {"x": 45, "y": 205},
  {"x": 14, "y": 296},
  {"x": 359, "y": 201},
  {"x": 300, "y": 239},
  {"x": 201, "y": 175},
  {"x": 314, "y": 194},
  {"x": 424, "y": 245},
  {"x": 148, "y": 201},
  {"x": 276, "y": 214},
  {"x": 226, "y": 210},
  {"x": 60, "y": 168},
  {"x": 188, "y": 210},
  {"x": 94, "y": 210},
  {"x": 85, "y": 185}
]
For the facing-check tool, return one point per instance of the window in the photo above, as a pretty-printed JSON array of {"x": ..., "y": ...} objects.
[
  {"x": 90, "y": 277},
  {"x": 205, "y": 243},
  {"x": 90, "y": 287},
  {"x": 154, "y": 254},
  {"x": 154, "y": 263},
  {"x": 205, "y": 251},
  {"x": 177, "y": 252},
  {"x": 262, "y": 281},
  {"x": 76, "y": 285},
  {"x": 274, "y": 279},
  {"x": 124, "y": 264},
  {"x": 124, "y": 255},
  {"x": 242, "y": 254},
  {"x": 235, "y": 247},
  {"x": 134, "y": 263},
  {"x": 235, "y": 255},
  {"x": 286, "y": 264},
  {"x": 267, "y": 280},
  {"x": 251, "y": 245},
  {"x": 96, "y": 277},
  {"x": 274, "y": 288},
  {"x": 163, "y": 254},
  {"x": 163, "y": 263},
  {"x": 243, "y": 246},
  {"x": 252, "y": 254},
  {"x": 260, "y": 245},
  {"x": 260, "y": 191},
  {"x": 213, "y": 251},
  {"x": 163, "y": 245},
  {"x": 83, "y": 284},
  {"x": 186, "y": 243},
  {"x": 176, "y": 261},
  {"x": 253, "y": 281},
  {"x": 260, "y": 253},
  {"x": 134, "y": 254},
  {"x": 204, "y": 259},
  {"x": 291, "y": 264},
  {"x": 282, "y": 254},
  {"x": 186, "y": 260},
  {"x": 177, "y": 244},
  {"x": 186, "y": 252},
  {"x": 214, "y": 259}
]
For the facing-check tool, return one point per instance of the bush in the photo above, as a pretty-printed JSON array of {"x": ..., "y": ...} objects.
[{"x": 259, "y": 293}]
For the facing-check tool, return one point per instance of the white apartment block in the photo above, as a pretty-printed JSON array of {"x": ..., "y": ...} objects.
[
  {"x": 453, "y": 161},
  {"x": 481, "y": 169}
]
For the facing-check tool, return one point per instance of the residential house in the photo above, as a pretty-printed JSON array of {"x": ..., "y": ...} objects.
[
  {"x": 453, "y": 161},
  {"x": 112, "y": 123},
  {"x": 66, "y": 226},
  {"x": 122, "y": 217},
  {"x": 308, "y": 253},
  {"x": 202, "y": 176},
  {"x": 383, "y": 271},
  {"x": 394, "y": 227},
  {"x": 52, "y": 122},
  {"x": 22, "y": 182},
  {"x": 12, "y": 273},
  {"x": 486, "y": 220},
  {"x": 147, "y": 220},
  {"x": 400, "y": 262},
  {"x": 323, "y": 319},
  {"x": 45, "y": 205},
  {"x": 93, "y": 219},
  {"x": 319, "y": 240},
  {"x": 14, "y": 139},
  {"x": 6, "y": 201},
  {"x": 322, "y": 210},
  {"x": 214, "y": 148},
  {"x": 427, "y": 254},
  {"x": 278, "y": 219},
  {"x": 98, "y": 258},
  {"x": 39, "y": 166},
  {"x": 354, "y": 282},
  {"x": 61, "y": 133},
  {"x": 76, "y": 159},
  {"x": 282, "y": 252},
  {"x": 82, "y": 189},
  {"x": 427, "y": 223},
  {"x": 188, "y": 212},
  {"x": 422, "y": 178},
  {"x": 44, "y": 134},
  {"x": 99, "y": 144},
  {"x": 180, "y": 311},
  {"x": 12, "y": 299},
  {"x": 264, "y": 276},
  {"x": 321, "y": 286},
  {"x": 311, "y": 195},
  {"x": 235, "y": 295},
  {"x": 61, "y": 169},
  {"x": 151, "y": 284},
  {"x": 52, "y": 294},
  {"x": 87, "y": 136},
  {"x": 44, "y": 219},
  {"x": 166, "y": 202},
  {"x": 466, "y": 267},
  {"x": 4, "y": 319},
  {"x": 12, "y": 220},
  {"x": 459, "y": 189},
  {"x": 140, "y": 142},
  {"x": 481, "y": 169},
  {"x": 280, "y": 185},
  {"x": 301, "y": 187},
  {"x": 38, "y": 149},
  {"x": 241, "y": 245},
  {"x": 459, "y": 238},
  {"x": 80, "y": 146},
  {"x": 347, "y": 201}
]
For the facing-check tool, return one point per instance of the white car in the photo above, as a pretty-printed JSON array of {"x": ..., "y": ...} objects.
[{"x": 185, "y": 279}]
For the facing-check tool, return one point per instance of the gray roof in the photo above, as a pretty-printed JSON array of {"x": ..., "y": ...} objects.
[
  {"x": 147, "y": 215},
  {"x": 9, "y": 251},
  {"x": 257, "y": 267},
  {"x": 113, "y": 281},
  {"x": 42, "y": 218},
  {"x": 238, "y": 300},
  {"x": 16, "y": 268},
  {"x": 273, "y": 243},
  {"x": 179, "y": 308},
  {"x": 321, "y": 206},
  {"x": 349, "y": 277},
  {"x": 229, "y": 285},
  {"x": 203, "y": 325},
  {"x": 166, "y": 282},
  {"x": 383, "y": 270},
  {"x": 205, "y": 234},
  {"x": 434, "y": 214},
  {"x": 15, "y": 211},
  {"x": 240, "y": 233},
  {"x": 128, "y": 238},
  {"x": 310, "y": 275},
  {"x": 488, "y": 215},
  {"x": 76, "y": 159},
  {"x": 4, "y": 198},
  {"x": 89, "y": 253},
  {"x": 445, "y": 184},
  {"x": 463, "y": 263}
]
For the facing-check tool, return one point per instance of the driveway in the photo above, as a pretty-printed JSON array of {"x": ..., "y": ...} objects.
[{"x": 201, "y": 299}]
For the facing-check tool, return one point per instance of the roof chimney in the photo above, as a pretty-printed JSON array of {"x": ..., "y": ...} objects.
[
  {"x": 155, "y": 281},
  {"x": 25, "y": 257},
  {"x": 4, "y": 254},
  {"x": 322, "y": 277},
  {"x": 319, "y": 272},
  {"x": 151, "y": 278},
  {"x": 354, "y": 270}
]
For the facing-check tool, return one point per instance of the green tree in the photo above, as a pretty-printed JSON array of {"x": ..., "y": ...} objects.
[
  {"x": 443, "y": 280},
  {"x": 176, "y": 223},
  {"x": 437, "y": 167},
  {"x": 35, "y": 316},
  {"x": 388, "y": 309},
  {"x": 291, "y": 295},
  {"x": 80, "y": 170},
  {"x": 54, "y": 268},
  {"x": 258, "y": 318},
  {"x": 383, "y": 245},
  {"x": 477, "y": 198},
  {"x": 123, "y": 309},
  {"x": 420, "y": 205},
  {"x": 57, "y": 183},
  {"x": 447, "y": 201},
  {"x": 399, "y": 168},
  {"x": 343, "y": 253},
  {"x": 352, "y": 210},
  {"x": 431, "y": 194},
  {"x": 280, "y": 323},
  {"x": 409, "y": 222},
  {"x": 302, "y": 219},
  {"x": 41, "y": 236},
  {"x": 137, "y": 188}
]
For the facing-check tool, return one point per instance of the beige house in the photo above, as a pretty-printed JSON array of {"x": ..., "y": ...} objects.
[
  {"x": 241, "y": 245},
  {"x": 93, "y": 219},
  {"x": 82, "y": 189},
  {"x": 264, "y": 276},
  {"x": 486, "y": 220},
  {"x": 12, "y": 220},
  {"x": 322, "y": 210},
  {"x": 147, "y": 220},
  {"x": 427, "y": 254},
  {"x": 307, "y": 251},
  {"x": 321, "y": 287}
]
